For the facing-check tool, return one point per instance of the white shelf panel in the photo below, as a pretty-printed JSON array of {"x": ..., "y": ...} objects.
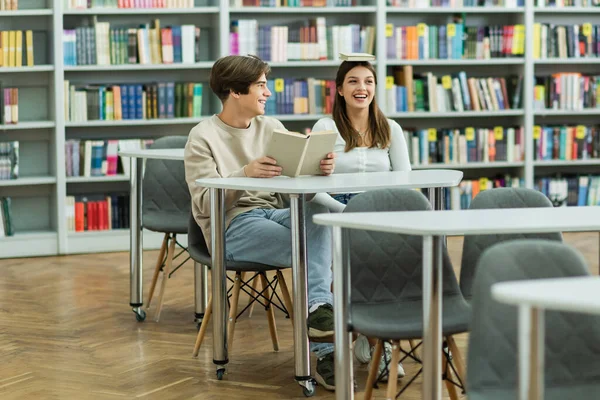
[
  {"x": 453, "y": 10},
  {"x": 28, "y": 125},
  {"x": 457, "y": 114},
  {"x": 136, "y": 122},
  {"x": 26, "y": 13},
  {"x": 565, "y": 163},
  {"x": 113, "y": 240},
  {"x": 568, "y": 61},
  {"x": 302, "y": 10},
  {"x": 29, "y": 244},
  {"x": 299, "y": 117},
  {"x": 551, "y": 113},
  {"x": 94, "y": 179},
  {"x": 473, "y": 165},
  {"x": 466, "y": 63},
  {"x": 296, "y": 64},
  {"x": 29, "y": 181},
  {"x": 138, "y": 67},
  {"x": 144, "y": 11},
  {"x": 565, "y": 10},
  {"x": 36, "y": 68}
]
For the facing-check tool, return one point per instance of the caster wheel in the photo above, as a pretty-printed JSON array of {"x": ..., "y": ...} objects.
[
  {"x": 308, "y": 392},
  {"x": 140, "y": 315},
  {"x": 220, "y": 373}
]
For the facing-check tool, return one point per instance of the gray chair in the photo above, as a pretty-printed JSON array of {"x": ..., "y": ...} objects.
[
  {"x": 572, "y": 353},
  {"x": 386, "y": 288},
  {"x": 475, "y": 245},
  {"x": 165, "y": 208},
  {"x": 267, "y": 297}
]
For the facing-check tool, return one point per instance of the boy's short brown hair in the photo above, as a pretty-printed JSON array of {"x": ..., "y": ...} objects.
[{"x": 236, "y": 73}]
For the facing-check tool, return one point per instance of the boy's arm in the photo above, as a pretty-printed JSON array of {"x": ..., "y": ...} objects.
[{"x": 199, "y": 163}]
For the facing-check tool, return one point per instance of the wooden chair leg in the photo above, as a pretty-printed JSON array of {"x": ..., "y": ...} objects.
[
  {"x": 253, "y": 291},
  {"x": 449, "y": 385},
  {"x": 159, "y": 262},
  {"x": 375, "y": 360},
  {"x": 165, "y": 278},
  {"x": 203, "y": 325},
  {"x": 270, "y": 312},
  {"x": 287, "y": 299},
  {"x": 457, "y": 359},
  {"x": 235, "y": 296},
  {"x": 393, "y": 376}
]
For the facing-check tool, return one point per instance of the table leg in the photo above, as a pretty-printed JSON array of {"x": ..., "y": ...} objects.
[
  {"x": 344, "y": 388},
  {"x": 136, "y": 295},
  {"x": 219, "y": 280},
  {"x": 432, "y": 317},
  {"x": 531, "y": 353},
  {"x": 200, "y": 291},
  {"x": 300, "y": 294}
]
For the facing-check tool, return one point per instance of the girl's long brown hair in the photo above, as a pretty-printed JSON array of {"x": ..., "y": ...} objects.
[{"x": 378, "y": 124}]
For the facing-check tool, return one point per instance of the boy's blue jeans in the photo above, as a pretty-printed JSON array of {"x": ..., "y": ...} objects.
[{"x": 263, "y": 235}]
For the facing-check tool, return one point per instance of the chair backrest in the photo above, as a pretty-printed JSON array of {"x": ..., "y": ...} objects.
[
  {"x": 386, "y": 266},
  {"x": 164, "y": 187},
  {"x": 474, "y": 245},
  {"x": 196, "y": 244},
  {"x": 572, "y": 355}
]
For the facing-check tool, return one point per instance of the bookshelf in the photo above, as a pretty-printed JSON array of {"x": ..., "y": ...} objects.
[{"x": 39, "y": 194}]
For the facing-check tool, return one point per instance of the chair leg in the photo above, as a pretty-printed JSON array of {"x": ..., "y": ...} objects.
[
  {"x": 414, "y": 349},
  {"x": 393, "y": 377},
  {"x": 159, "y": 263},
  {"x": 203, "y": 325},
  {"x": 270, "y": 312},
  {"x": 254, "y": 291},
  {"x": 163, "y": 284},
  {"x": 375, "y": 360},
  {"x": 235, "y": 296},
  {"x": 457, "y": 359},
  {"x": 287, "y": 299},
  {"x": 448, "y": 372}
]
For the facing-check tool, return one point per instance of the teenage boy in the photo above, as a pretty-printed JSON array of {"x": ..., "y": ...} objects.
[{"x": 233, "y": 143}]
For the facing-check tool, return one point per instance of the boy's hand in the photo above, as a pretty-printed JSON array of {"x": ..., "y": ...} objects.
[
  {"x": 328, "y": 164},
  {"x": 264, "y": 167}
]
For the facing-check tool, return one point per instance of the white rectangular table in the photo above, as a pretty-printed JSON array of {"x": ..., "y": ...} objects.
[
  {"x": 297, "y": 188},
  {"x": 433, "y": 226},
  {"x": 533, "y": 297},
  {"x": 136, "y": 175}
]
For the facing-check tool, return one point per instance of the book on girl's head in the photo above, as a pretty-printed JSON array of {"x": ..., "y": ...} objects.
[
  {"x": 357, "y": 57},
  {"x": 300, "y": 154}
]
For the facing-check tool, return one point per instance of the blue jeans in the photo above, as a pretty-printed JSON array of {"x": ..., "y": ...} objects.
[
  {"x": 343, "y": 198},
  {"x": 263, "y": 235}
]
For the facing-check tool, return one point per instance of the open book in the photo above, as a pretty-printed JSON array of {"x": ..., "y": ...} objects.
[
  {"x": 357, "y": 57},
  {"x": 300, "y": 154}
]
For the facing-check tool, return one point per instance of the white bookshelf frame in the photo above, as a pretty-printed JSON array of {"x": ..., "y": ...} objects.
[{"x": 59, "y": 241}]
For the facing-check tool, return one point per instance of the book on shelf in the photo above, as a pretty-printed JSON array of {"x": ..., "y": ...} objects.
[
  {"x": 566, "y": 142},
  {"x": 293, "y": 3},
  {"x": 97, "y": 212},
  {"x": 9, "y": 160},
  {"x": 6, "y": 217},
  {"x": 567, "y": 3},
  {"x": 455, "y": 3},
  {"x": 357, "y": 57},
  {"x": 9, "y": 5},
  {"x": 567, "y": 91},
  {"x": 565, "y": 41},
  {"x": 16, "y": 48},
  {"x": 300, "y": 154},
  {"x": 87, "y": 4},
  {"x": 300, "y": 96}
]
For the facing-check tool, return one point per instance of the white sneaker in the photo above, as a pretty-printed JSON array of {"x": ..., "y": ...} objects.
[{"x": 364, "y": 353}]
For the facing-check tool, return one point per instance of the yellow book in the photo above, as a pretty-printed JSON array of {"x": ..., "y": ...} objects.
[
  {"x": 19, "y": 49},
  {"x": 12, "y": 37},
  {"x": 5, "y": 48},
  {"x": 110, "y": 110},
  {"x": 537, "y": 38},
  {"x": 29, "y": 44}
]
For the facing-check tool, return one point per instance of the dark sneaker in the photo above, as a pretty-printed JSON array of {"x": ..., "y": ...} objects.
[
  {"x": 325, "y": 375},
  {"x": 320, "y": 324}
]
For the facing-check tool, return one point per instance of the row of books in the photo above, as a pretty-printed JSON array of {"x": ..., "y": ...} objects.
[
  {"x": 465, "y": 145},
  {"x": 454, "y": 41},
  {"x": 102, "y": 45},
  {"x": 300, "y": 96},
  {"x": 97, "y": 212},
  {"x": 9, "y": 160},
  {"x": 133, "y": 101},
  {"x": 567, "y": 3},
  {"x": 309, "y": 39},
  {"x": 567, "y": 91},
  {"x": 293, "y": 3},
  {"x": 566, "y": 142},
  {"x": 9, "y": 5},
  {"x": 455, "y": 3},
  {"x": 566, "y": 41},
  {"x": 576, "y": 190},
  {"x": 429, "y": 92},
  {"x": 460, "y": 197},
  {"x": 85, "y": 4},
  {"x": 89, "y": 158},
  {"x": 6, "y": 218},
  {"x": 13, "y": 52}
]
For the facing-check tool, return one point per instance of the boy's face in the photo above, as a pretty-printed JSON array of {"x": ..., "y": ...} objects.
[{"x": 254, "y": 102}]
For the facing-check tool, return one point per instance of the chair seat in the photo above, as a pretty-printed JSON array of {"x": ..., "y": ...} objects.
[
  {"x": 166, "y": 221},
  {"x": 242, "y": 266},
  {"x": 403, "y": 320}
]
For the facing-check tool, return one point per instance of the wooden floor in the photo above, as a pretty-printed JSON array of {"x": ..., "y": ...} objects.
[{"x": 67, "y": 332}]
